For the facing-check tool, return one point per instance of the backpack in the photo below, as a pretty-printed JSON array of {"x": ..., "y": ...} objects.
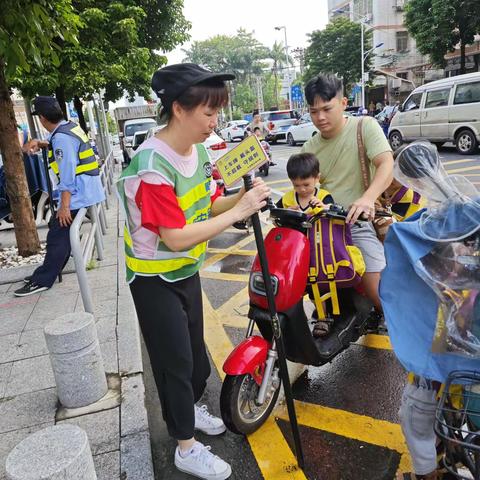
[{"x": 334, "y": 262}]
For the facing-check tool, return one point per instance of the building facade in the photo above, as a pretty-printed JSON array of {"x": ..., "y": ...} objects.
[{"x": 397, "y": 65}]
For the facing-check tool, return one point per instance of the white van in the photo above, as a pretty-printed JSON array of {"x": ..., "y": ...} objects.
[{"x": 446, "y": 110}]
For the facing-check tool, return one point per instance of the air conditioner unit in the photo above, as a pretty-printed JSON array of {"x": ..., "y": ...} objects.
[{"x": 396, "y": 83}]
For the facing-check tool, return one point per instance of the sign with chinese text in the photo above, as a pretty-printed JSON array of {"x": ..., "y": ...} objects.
[{"x": 247, "y": 156}]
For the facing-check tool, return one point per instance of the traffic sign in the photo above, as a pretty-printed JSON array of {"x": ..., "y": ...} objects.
[
  {"x": 247, "y": 156},
  {"x": 297, "y": 94}
]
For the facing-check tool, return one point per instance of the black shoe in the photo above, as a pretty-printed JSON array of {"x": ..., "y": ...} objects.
[
  {"x": 27, "y": 279},
  {"x": 29, "y": 289}
]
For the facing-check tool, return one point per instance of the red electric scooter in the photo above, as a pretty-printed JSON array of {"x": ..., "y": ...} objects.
[{"x": 252, "y": 381}]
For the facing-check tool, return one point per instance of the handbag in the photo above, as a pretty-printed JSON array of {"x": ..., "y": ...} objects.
[{"x": 383, "y": 204}]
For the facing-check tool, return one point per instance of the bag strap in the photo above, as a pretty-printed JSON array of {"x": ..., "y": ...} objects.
[{"x": 362, "y": 155}]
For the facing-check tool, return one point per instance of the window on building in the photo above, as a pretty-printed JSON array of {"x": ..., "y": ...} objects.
[
  {"x": 403, "y": 75},
  {"x": 402, "y": 41},
  {"x": 467, "y": 93},
  {"x": 437, "y": 98},
  {"x": 413, "y": 102}
]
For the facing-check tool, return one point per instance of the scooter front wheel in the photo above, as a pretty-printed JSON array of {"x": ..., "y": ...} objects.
[{"x": 240, "y": 411}]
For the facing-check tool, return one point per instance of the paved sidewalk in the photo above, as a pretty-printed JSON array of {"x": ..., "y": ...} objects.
[{"x": 119, "y": 435}]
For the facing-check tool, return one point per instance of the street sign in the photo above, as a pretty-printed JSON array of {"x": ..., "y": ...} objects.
[
  {"x": 297, "y": 95},
  {"x": 247, "y": 156}
]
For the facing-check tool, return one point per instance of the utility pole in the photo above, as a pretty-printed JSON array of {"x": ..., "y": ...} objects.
[
  {"x": 258, "y": 82},
  {"x": 289, "y": 79}
]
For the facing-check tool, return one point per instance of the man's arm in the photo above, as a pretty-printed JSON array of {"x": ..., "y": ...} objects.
[{"x": 65, "y": 154}]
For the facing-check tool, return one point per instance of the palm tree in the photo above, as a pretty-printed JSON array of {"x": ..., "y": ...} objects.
[{"x": 277, "y": 54}]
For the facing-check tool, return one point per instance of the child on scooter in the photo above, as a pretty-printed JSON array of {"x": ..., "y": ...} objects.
[{"x": 307, "y": 196}]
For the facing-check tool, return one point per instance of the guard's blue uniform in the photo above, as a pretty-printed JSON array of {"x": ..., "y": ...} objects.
[{"x": 86, "y": 190}]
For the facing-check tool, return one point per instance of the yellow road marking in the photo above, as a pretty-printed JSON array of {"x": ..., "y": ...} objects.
[
  {"x": 275, "y": 182},
  {"x": 236, "y": 246},
  {"x": 268, "y": 438},
  {"x": 352, "y": 425},
  {"x": 464, "y": 169},
  {"x": 463, "y": 160},
  {"x": 381, "y": 342},
  {"x": 219, "y": 345},
  {"x": 229, "y": 277},
  {"x": 234, "y": 302},
  {"x": 273, "y": 455},
  {"x": 284, "y": 189},
  {"x": 233, "y": 252}
]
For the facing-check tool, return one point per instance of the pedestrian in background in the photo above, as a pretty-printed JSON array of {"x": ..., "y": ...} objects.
[{"x": 72, "y": 159}]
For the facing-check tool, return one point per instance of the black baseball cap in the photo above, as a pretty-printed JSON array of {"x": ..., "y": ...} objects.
[
  {"x": 171, "y": 81},
  {"x": 43, "y": 105}
]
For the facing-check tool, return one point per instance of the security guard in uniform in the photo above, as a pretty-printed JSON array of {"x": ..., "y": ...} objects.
[{"x": 72, "y": 159}]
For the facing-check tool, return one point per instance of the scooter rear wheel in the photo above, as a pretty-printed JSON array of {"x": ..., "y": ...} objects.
[{"x": 240, "y": 412}]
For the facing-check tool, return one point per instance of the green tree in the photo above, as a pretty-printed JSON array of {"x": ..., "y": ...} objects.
[
  {"x": 438, "y": 26},
  {"x": 29, "y": 35},
  {"x": 117, "y": 50},
  {"x": 240, "y": 54},
  {"x": 337, "y": 49}
]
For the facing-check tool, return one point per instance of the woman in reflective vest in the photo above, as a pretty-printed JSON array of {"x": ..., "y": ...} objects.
[{"x": 172, "y": 209}]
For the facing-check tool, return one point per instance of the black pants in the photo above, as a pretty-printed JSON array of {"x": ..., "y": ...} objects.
[
  {"x": 58, "y": 252},
  {"x": 171, "y": 320}
]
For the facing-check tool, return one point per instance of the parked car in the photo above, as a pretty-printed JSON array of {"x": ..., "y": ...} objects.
[
  {"x": 216, "y": 146},
  {"x": 234, "y": 130},
  {"x": 446, "y": 110},
  {"x": 278, "y": 122},
  {"x": 301, "y": 131}
]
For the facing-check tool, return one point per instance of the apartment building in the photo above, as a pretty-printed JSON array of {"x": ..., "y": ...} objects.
[{"x": 397, "y": 65}]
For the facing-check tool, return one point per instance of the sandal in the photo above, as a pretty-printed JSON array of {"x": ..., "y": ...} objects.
[{"x": 321, "y": 328}]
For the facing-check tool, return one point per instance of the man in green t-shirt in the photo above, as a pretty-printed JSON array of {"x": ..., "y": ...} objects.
[{"x": 336, "y": 148}]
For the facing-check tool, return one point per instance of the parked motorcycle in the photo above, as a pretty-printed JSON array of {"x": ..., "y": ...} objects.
[{"x": 252, "y": 384}]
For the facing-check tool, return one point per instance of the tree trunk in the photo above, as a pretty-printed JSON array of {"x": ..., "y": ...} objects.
[
  {"x": 77, "y": 103},
  {"x": 462, "y": 57},
  {"x": 17, "y": 186},
  {"x": 60, "y": 94}
]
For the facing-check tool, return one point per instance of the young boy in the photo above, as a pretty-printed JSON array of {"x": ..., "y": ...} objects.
[
  {"x": 307, "y": 196},
  {"x": 303, "y": 170}
]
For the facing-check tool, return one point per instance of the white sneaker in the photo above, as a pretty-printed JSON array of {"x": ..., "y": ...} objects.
[
  {"x": 201, "y": 463},
  {"x": 207, "y": 423}
]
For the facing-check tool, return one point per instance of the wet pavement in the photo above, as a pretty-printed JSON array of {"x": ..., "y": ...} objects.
[{"x": 347, "y": 409}]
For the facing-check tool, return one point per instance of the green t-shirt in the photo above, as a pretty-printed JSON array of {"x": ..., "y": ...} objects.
[{"x": 340, "y": 170}]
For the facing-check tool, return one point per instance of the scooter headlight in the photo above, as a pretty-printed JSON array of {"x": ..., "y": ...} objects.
[{"x": 257, "y": 285}]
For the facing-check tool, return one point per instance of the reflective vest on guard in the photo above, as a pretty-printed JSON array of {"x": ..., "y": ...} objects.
[{"x": 87, "y": 163}]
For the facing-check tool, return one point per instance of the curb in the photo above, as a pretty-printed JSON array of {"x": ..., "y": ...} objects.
[{"x": 136, "y": 462}]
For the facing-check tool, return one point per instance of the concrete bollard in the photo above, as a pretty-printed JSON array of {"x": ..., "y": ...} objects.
[
  {"x": 54, "y": 453},
  {"x": 76, "y": 359}
]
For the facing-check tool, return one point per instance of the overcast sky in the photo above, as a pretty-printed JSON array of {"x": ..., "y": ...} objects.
[{"x": 213, "y": 17}]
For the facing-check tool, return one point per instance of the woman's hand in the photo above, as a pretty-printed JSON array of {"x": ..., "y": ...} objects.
[{"x": 252, "y": 201}]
